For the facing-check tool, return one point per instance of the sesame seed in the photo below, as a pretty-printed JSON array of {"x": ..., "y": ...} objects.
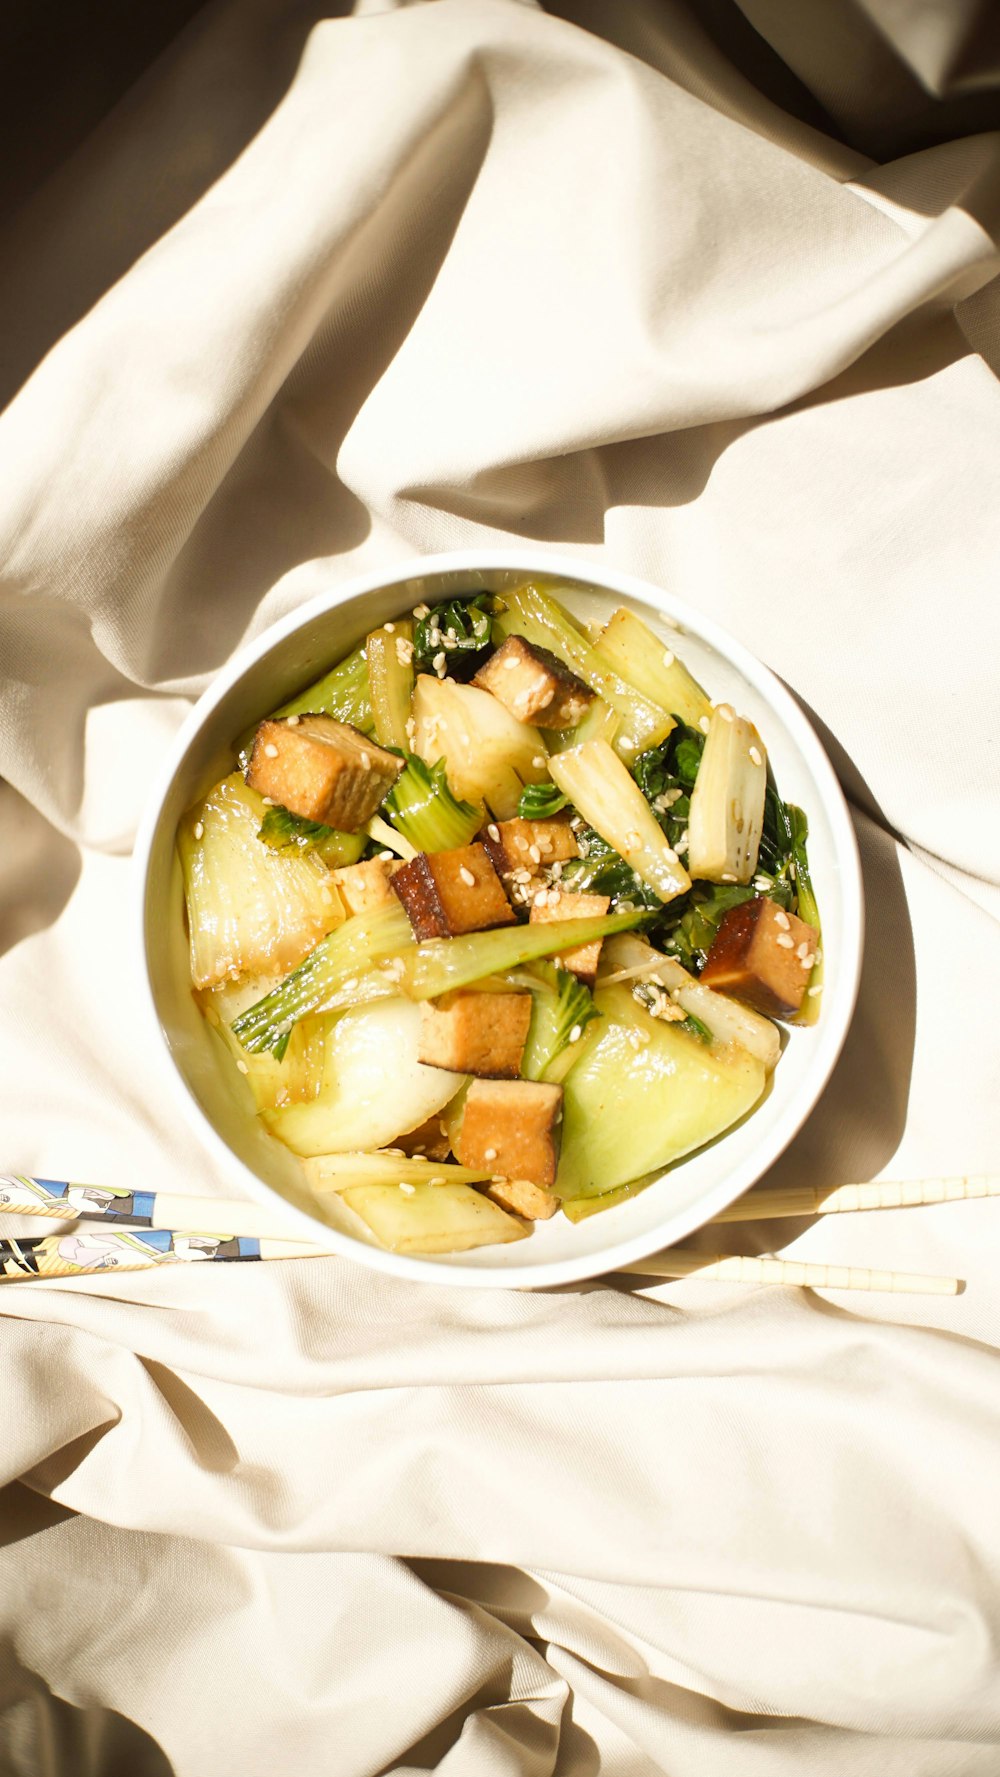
[
  {"x": 633, "y": 1037},
  {"x": 436, "y": 1180},
  {"x": 510, "y": 662},
  {"x": 404, "y": 651},
  {"x": 269, "y": 802},
  {"x": 467, "y": 877},
  {"x": 421, "y": 611},
  {"x": 704, "y": 724},
  {"x": 199, "y": 829},
  {"x": 781, "y": 919},
  {"x": 557, "y": 870},
  {"x": 534, "y": 854},
  {"x": 819, "y": 954},
  {"x": 541, "y": 898},
  {"x": 727, "y": 876},
  {"x": 627, "y": 746},
  {"x": 755, "y": 756},
  {"x": 520, "y": 875},
  {"x": 405, "y": 1185},
  {"x": 349, "y": 986},
  {"x": 241, "y": 1064},
  {"x": 439, "y": 663},
  {"x": 814, "y": 992},
  {"x": 786, "y": 941},
  {"x": 670, "y": 854},
  {"x": 493, "y": 831},
  {"x": 807, "y": 960},
  {"x": 668, "y": 658},
  {"x": 292, "y": 721},
  {"x": 390, "y": 628},
  {"x": 539, "y": 761},
  {"x": 489, "y": 1153},
  {"x": 726, "y": 711},
  {"x": 366, "y": 760},
  {"x": 387, "y": 857},
  {"x": 576, "y": 1033},
  {"x": 271, "y": 750},
  {"x": 803, "y": 948}
]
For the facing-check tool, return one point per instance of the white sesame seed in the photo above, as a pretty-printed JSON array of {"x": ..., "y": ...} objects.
[
  {"x": 633, "y": 1037},
  {"x": 292, "y": 721},
  {"x": 781, "y": 919},
  {"x": 668, "y": 658},
  {"x": 814, "y": 992},
  {"x": 404, "y": 651},
  {"x": 755, "y": 756},
  {"x": 539, "y": 761},
  {"x": 726, "y": 711},
  {"x": 467, "y": 877},
  {"x": 199, "y": 829},
  {"x": 819, "y": 954},
  {"x": 493, "y": 831},
  {"x": 727, "y": 876},
  {"x": 421, "y": 611},
  {"x": 269, "y": 802},
  {"x": 510, "y": 663},
  {"x": 436, "y": 1180},
  {"x": 786, "y": 941},
  {"x": 576, "y": 1033},
  {"x": 366, "y": 760},
  {"x": 387, "y": 857},
  {"x": 704, "y": 724},
  {"x": 534, "y": 854},
  {"x": 390, "y": 628},
  {"x": 271, "y": 750},
  {"x": 241, "y": 1064},
  {"x": 803, "y": 948},
  {"x": 541, "y": 897},
  {"x": 489, "y": 1153},
  {"x": 557, "y": 870},
  {"x": 669, "y": 854},
  {"x": 405, "y": 1185},
  {"x": 808, "y": 960},
  {"x": 627, "y": 746},
  {"x": 349, "y": 986},
  {"x": 439, "y": 663},
  {"x": 520, "y": 875}
]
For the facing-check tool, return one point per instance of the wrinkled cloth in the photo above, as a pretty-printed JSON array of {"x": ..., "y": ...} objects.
[{"x": 707, "y": 294}]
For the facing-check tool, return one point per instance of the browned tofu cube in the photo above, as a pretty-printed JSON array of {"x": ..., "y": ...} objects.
[
  {"x": 322, "y": 770},
  {"x": 551, "y": 904},
  {"x": 475, "y": 1033},
  {"x": 429, "y": 1141},
  {"x": 533, "y": 1202},
  {"x": 449, "y": 892},
  {"x": 513, "y": 1127},
  {"x": 762, "y": 956},
  {"x": 529, "y": 845},
  {"x": 533, "y": 685},
  {"x": 363, "y": 887}
]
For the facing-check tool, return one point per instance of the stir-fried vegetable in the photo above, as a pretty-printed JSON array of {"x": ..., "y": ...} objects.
[
  {"x": 631, "y": 958},
  {"x": 456, "y": 636},
  {"x": 389, "y": 653},
  {"x": 442, "y": 964},
  {"x": 727, "y": 802},
  {"x": 343, "y": 693},
  {"x": 283, "y": 831},
  {"x": 652, "y": 667},
  {"x": 599, "y": 785},
  {"x": 539, "y": 802},
  {"x": 562, "y": 1008},
  {"x": 434, "y": 1219},
  {"x": 489, "y": 755},
  {"x": 348, "y": 953},
  {"x": 421, "y": 807},
  {"x": 387, "y": 1166}
]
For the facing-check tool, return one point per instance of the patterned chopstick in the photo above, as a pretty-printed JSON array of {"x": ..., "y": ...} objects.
[
  {"x": 84, "y": 1252},
  {"x": 66, "y": 1201}
]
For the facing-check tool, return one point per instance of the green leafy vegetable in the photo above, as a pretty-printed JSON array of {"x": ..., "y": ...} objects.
[
  {"x": 562, "y": 1007},
  {"x": 421, "y": 806},
  {"x": 539, "y": 802},
  {"x": 690, "y": 937},
  {"x": 284, "y": 831},
  {"x": 461, "y": 630},
  {"x": 600, "y": 870},
  {"x": 341, "y": 693},
  {"x": 347, "y": 953},
  {"x": 695, "y": 1028}
]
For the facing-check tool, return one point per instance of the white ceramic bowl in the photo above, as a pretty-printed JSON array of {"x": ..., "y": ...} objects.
[{"x": 217, "y": 1099}]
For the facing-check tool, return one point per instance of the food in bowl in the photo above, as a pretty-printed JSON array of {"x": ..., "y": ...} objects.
[{"x": 496, "y": 918}]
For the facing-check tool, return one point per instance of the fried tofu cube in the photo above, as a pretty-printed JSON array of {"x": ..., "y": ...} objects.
[
  {"x": 533, "y": 685},
  {"x": 321, "y": 770},
  {"x": 583, "y": 959},
  {"x": 446, "y": 893},
  {"x": 475, "y": 1033},
  {"x": 429, "y": 1141},
  {"x": 533, "y": 1202},
  {"x": 529, "y": 845},
  {"x": 762, "y": 956},
  {"x": 512, "y": 1126},
  {"x": 363, "y": 887}
]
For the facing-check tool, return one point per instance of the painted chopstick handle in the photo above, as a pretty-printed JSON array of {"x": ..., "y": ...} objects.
[
  {"x": 723, "y": 1267},
  {"x": 762, "y": 1205},
  {"x": 87, "y": 1251},
  {"x": 63, "y": 1200}
]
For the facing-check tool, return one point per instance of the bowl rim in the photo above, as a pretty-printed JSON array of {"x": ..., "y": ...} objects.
[{"x": 838, "y": 1008}]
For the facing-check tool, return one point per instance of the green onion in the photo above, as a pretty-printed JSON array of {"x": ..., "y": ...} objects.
[{"x": 441, "y": 964}]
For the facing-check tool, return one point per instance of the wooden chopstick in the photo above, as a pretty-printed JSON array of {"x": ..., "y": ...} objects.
[
  {"x": 762, "y": 1205},
  {"x": 725, "y": 1268}
]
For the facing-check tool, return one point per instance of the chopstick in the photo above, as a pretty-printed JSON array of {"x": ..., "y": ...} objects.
[
  {"x": 726, "y": 1268},
  {"x": 218, "y": 1231},
  {"x": 762, "y": 1205}
]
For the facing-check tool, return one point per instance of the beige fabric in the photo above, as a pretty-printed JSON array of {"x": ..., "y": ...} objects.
[{"x": 324, "y": 292}]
